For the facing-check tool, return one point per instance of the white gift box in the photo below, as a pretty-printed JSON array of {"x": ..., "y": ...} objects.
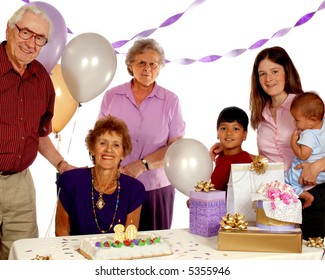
[{"x": 243, "y": 183}]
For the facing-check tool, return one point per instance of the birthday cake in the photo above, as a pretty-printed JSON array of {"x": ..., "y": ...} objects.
[
  {"x": 124, "y": 245},
  {"x": 104, "y": 247}
]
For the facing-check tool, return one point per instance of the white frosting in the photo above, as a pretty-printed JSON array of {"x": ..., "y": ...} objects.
[{"x": 88, "y": 246}]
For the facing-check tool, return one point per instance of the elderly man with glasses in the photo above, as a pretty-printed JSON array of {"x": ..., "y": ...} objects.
[{"x": 26, "y": 108}]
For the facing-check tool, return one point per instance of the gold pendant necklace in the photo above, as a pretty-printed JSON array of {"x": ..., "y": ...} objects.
[
  {"x": 100, "y": 202},
  {"x": 115, "y": 209}
]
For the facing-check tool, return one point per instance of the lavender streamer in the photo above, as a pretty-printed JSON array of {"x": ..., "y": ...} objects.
[{"x": 210, "y": 58}]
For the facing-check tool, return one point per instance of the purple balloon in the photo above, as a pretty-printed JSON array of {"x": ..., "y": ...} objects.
[{"x": 52, "y": 51}]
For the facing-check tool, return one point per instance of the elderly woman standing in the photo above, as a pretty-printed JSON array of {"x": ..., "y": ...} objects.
[
  {"x": 93, "y": 200},
  {"x": 153, "y": 116}
]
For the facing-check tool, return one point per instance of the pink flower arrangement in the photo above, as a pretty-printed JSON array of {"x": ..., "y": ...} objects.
[{"x": 275, "y": 191}]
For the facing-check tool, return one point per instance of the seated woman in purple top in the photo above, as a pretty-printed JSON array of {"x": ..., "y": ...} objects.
[{"x": 93, "y": 200}]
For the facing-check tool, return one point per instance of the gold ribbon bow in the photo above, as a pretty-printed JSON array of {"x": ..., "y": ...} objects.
[
  {"x": 234, "y": 222},
  {"x": 317, "y": 242},
  {"x": 203, "y": 186},
  {"x": 259, "y": 164}
]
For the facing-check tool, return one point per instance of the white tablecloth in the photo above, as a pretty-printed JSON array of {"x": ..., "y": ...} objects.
[{"x": 186, "y": 246}]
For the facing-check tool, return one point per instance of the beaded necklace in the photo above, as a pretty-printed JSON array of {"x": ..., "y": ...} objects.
[{"x": 94, "y": 206}]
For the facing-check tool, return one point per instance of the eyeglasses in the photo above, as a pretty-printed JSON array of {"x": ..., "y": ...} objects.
[
  {"x": 143, "y": 64},
  {"x": 26, "y": 34}
]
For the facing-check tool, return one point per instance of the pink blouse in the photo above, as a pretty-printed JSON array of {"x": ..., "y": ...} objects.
[{"x": 273, "y": 140}]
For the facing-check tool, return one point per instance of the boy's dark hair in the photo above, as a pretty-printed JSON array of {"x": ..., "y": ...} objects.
[{"x": 232, "y": 114}]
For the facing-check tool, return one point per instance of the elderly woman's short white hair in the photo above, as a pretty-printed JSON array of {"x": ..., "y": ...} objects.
[{"x": 139, "y": 47}]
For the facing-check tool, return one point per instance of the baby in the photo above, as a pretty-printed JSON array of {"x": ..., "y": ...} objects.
[{"x": 308, "y": 141}]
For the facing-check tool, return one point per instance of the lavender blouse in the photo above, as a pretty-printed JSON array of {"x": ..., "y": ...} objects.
[{"x": 158, "y": 119}]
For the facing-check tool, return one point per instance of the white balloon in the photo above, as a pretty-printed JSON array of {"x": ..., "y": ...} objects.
[
  {"x": 88, "y": 66},
  {"x": 187, "y": 161}
]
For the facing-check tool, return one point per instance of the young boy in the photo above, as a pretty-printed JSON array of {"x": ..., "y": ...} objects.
[
  {"x": 232, "y": 126},
  {"x": 308, "y": 141}
]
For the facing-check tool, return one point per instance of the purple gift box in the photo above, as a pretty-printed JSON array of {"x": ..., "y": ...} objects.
[{"x": 206, "y": 212}]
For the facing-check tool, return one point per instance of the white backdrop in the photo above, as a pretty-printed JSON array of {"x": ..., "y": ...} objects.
[{"x": 213, "y": 27}]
